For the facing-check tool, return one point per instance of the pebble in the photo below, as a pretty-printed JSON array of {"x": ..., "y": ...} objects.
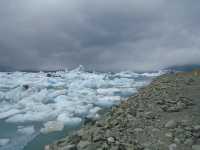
[
  {"x": 176, "y": 140},
  {"x": 195, "y": 147},
  {"x": 171, "y": 124},
  {"x": 172, "y": 146},
  {"x": 83, "y": 144},
  {"x": 197, "y": 128},
  {"x": 150, "y": 115},
  {"x": 155, "y": 130},
  {"x": 70, "y": 147},
  {"x": 138, "y": 129},
  {"x": 170, "y": 135},
  {"x": 188, "y": 142},
  {"x": 180, "y": 106},
  {"x": 47, "y": 147},
  {"x": 111, "y": 140}
]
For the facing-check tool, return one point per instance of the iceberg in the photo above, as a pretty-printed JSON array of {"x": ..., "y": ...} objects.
[
  {"x": 62, "y": 98},
  {"x": 52, "y": 126},
  {"x": 4, "y": 141},
  {"x": 26, "y": 130},
  {"x": 68, "y": 120},
  {"x": 9, "y": 113}
]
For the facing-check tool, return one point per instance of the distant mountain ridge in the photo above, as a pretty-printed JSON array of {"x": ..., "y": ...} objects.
[{"x": 184, "y": 68}]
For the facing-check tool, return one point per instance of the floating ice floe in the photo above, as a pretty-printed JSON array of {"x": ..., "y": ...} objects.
[
  {"x": 107, "y": 101},
  {"x": 4, "y": 141},
  {"x": 26, "y": 130},
  {"x": 52, "y": 126},
  {"x": 70, "y": 121},
  {"x": 63, "y": 98},
  {"x": 9, "y": 113}
]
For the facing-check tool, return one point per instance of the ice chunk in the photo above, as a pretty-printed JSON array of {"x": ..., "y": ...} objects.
[
  {"x": 107, "y": 101},
  {"x": 68, "y": 120},
  {"x": 64, "y": 97},
  {"x": 18, "y": 142},
  {"x": 4, "y": 141},
  {"x": 126, "y": 92},
  {"x": 1, "y": 96},
  {"x": 9, "y": 113},
  {"x": 83, "y": 110},
  {"x": 61, "y": 98},
  {"x": 127, "y": 74},
  {"x": 108, "y": 91},
  {"x": 93, "y": 113},
  {"x": 38, "y": 113},
  {"x": 52, "y": 126},
  {"x": 154, "y": 74},
  {"x": 55, "y": 93},
  {"x": 26, "y": 130},
  {"x": 123, "y": 92}
]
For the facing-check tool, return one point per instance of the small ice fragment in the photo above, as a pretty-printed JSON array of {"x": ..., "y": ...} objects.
[
  {"x": 26, "y": 130},
  {"x": 108, "y": 91},
  {"x": 154, "y": 74},
  {"x": 4, "y": 141},
  {"x": 93, "y": 113},
  {"x": 9, "y": 113},
  {"x": 52, "y": 126},
  {"x": 107, "y": 101},
  {"x": 68, "y": 120},
  {"x": 61, "y": 98}
]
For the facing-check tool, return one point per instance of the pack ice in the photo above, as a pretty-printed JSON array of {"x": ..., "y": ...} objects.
[{"x": 64, "y": 97}]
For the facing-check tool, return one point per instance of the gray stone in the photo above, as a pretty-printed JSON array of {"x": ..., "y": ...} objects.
[
  {"x": 195, "y": 147},
  {"x": 172, "y": 146},
  {"x": 188, "y": 142},
  {"x": 180, "y": 106},
  {"x": 155, "y": 130},
  {"x": 177, "y": 140},
  {"x": 46, "y": 147},
  {"x": 70, "y": 147},
  {"x": 146, "y": 144},
  {"x": 197, "y": 128},
  {"x": 171, "y": 124},
  {"x": 83, "y": 144},
  {"x": 149, "y": 115},
  {"x": 138, "y": 129},
  {"x": 169, "y": 135},
  {"x": 185, "y": 122},
  {"x": 173, "y": 109},
  {"x": 110, "y": 140}
]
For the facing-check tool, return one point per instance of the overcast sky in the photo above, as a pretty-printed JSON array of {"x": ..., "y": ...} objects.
[{"x": 102, "y": 34}]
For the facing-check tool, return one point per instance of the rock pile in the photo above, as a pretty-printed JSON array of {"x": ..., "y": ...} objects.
[{"x": 162, "y": 116}]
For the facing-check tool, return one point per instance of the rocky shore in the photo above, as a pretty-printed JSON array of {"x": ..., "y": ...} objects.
[{"x": 163, "y": 116}]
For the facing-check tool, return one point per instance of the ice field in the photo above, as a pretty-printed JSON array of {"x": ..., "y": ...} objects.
[{"x": 41, "y": 103}]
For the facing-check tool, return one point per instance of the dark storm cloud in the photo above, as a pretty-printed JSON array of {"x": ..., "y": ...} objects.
[{"x": 106, "y": 35}]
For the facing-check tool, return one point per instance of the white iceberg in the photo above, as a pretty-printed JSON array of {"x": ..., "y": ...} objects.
[
  {"x": 63, "y": 98},
  {"x": 68, "y": 120},
  {"x": 52, "y": 126},
  {"x": 4, "y": 141},
  {"x": 9, "y": 113},
  {"x": 26, "y": 130}
]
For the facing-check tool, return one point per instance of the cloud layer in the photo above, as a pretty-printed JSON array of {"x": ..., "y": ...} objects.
[{"x": 105, "y": 35}]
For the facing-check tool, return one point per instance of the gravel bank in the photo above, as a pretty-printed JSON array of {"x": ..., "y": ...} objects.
[{"x": 163, "y": 116}]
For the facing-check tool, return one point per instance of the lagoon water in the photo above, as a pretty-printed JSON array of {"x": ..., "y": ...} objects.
[{"x": 38, "y": 108}]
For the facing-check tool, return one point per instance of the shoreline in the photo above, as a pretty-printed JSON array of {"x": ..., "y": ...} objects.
[{"x": 162, "y": 115}]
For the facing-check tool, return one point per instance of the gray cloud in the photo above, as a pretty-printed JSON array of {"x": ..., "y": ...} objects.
[{"x": 105, "y": 35}]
